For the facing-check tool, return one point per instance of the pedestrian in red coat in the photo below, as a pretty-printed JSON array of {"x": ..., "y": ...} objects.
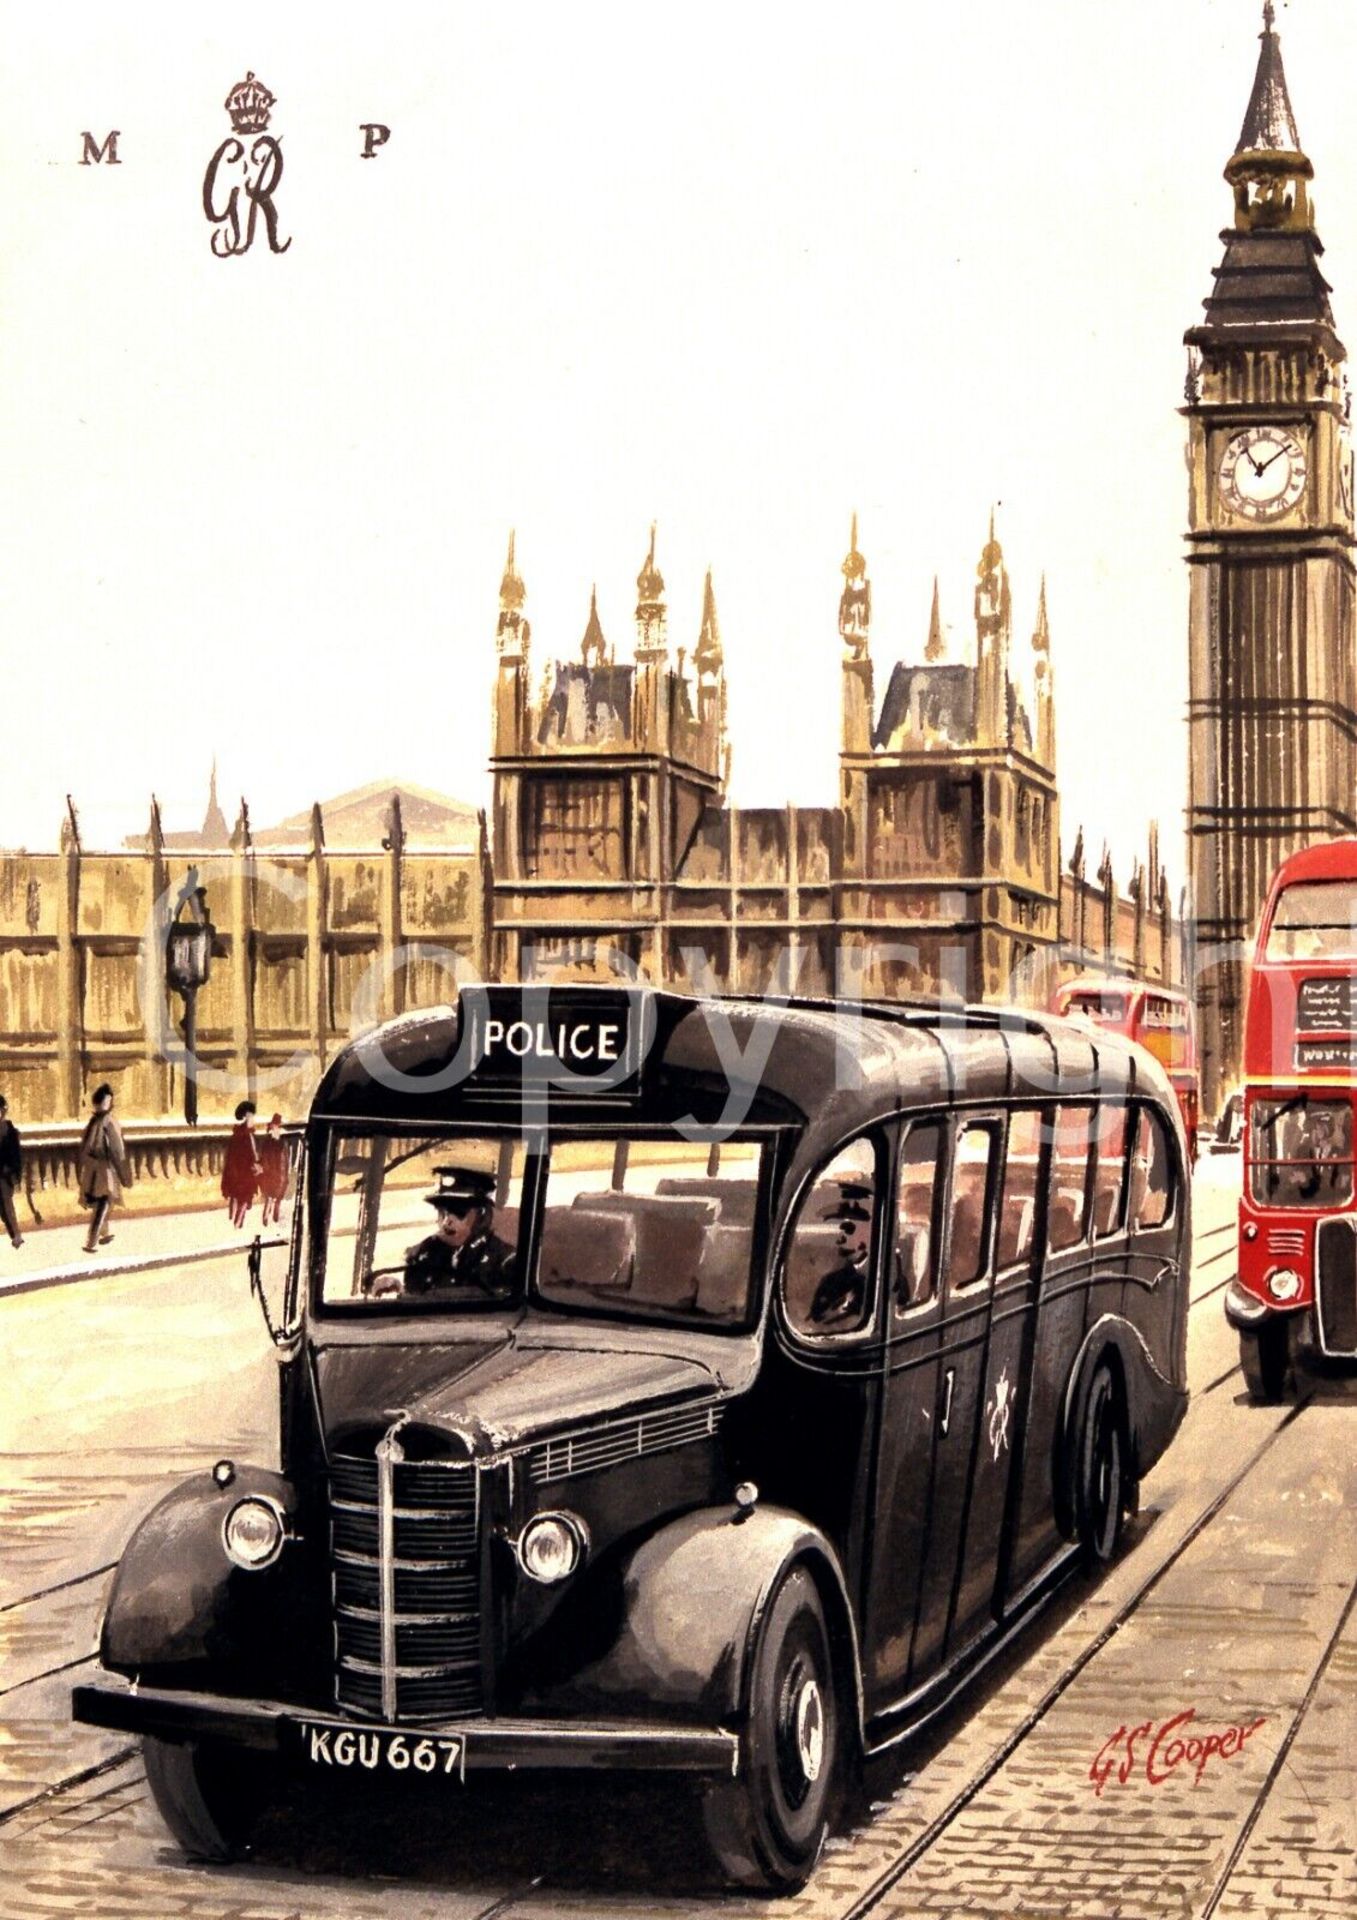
[
  {"x": 274, "y": 1170},
  {"x": 240, "y": 1174}
]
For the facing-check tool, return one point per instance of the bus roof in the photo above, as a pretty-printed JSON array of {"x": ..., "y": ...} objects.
[
  {"x": 813, "y": 1064},
  {"x": 1326, "y": 860},
  {"x": 1115, "y": 983}
]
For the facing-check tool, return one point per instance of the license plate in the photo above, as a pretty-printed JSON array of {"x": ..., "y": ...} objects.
[{"x": 378, "y": 1750}]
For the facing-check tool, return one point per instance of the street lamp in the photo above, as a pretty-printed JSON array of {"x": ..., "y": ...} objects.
[{"x": 188, "y": 963}]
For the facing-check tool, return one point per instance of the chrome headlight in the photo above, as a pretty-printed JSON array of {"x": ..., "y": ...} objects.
[
  {"x": 253, "y": 1532},
  {"x": 1283, "y": 1283},
  {"x": 552, "y": 1546}
]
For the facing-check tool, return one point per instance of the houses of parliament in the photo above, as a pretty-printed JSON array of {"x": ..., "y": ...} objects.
[{"x": 938, "y": 867}]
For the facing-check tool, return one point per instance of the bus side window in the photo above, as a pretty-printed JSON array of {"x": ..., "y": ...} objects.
[
  {"x": 1151, "y": 1197},
  {"x": 1109, "y": 1177},
  {"x": 975, "y": 1164},
  {"x": 1067, "y": 1222},
  {"x": 1018, "y": 1209},
  {"x": 915, "y": 1276},
  {"x": 827, "y": 1272}
]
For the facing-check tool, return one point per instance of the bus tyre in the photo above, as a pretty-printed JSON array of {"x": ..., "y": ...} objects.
[
  {"x": 1265, "y": 1360},
  {"x": 1102, "y": 1483},
  {"x": 767, "y": 1826},
  {"x": 208, "y": 1796}
]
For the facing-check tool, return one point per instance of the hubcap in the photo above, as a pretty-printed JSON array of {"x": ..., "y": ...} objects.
[{"x": 810, "y": 1730}]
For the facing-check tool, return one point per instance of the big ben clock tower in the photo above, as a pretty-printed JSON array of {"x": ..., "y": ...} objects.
[{"x": 1273, "y": 697}]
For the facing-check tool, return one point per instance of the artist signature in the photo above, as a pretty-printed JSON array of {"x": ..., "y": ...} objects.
[{"x": 1161, "y": 1750}]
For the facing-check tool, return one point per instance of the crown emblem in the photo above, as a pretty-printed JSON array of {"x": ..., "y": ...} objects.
[{"x": 248, "y": 104}]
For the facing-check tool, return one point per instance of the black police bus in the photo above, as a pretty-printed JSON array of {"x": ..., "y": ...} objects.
[{"x": 776, "y": 1361}]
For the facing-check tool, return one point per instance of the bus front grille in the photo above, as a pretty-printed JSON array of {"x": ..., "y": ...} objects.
[
  {"x": 405, "y": 1578},
  {"x": 1336, "y": 1287}
]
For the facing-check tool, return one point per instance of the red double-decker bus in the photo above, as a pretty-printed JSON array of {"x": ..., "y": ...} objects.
[
  {"x": 1156, "y": 1018},
  {"x": 1294, "y": 1302}
]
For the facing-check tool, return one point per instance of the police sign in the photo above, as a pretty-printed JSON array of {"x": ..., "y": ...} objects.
[{"x": 595, "y": 1040}]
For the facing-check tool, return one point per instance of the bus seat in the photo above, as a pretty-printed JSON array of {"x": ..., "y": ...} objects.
[
  {"x": 664, "y": 1206},
  {"x": 736, "y": 1199},
  {"x": 723, "y": 1273},
  {"x": 911, "y": 1264},
  {"x": 1105, "y": 1209},
  {"x": 586, "y": 1249},
  {"x": 1015, "y": 1228},
  {"x": 668, "y": 1231},
  {"x": 968, "y": 1239},
  {"x": 1064, "y": 1228}
]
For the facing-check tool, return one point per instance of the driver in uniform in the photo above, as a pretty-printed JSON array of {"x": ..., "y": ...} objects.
[
  {"x": 463, "y": 1250},
  {"x": 841, "y": 1297}
]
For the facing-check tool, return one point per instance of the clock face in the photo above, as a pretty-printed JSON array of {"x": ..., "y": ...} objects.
[{"x": 1262, "y": 473}]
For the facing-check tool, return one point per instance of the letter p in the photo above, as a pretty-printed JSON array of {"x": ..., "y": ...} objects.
[{"x": 374, "y": 135}]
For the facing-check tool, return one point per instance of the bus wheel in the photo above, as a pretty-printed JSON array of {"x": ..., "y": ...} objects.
[
  {"x": 1265, "y": 1360},
  {"x": 1101, "y": 1484},
  {"x": 767, "y": 1826},
  {"x": 208, "y": 1796}
]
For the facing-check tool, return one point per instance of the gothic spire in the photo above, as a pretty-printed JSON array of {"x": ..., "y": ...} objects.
[
  {"x": 649, "y": 581},
  {"x": 937, "y": 646},
  {"x": 708, "y": 657},
  {"x": 855, "y": 602},
  {"x": 215, "y": 832},
  {"x": 513, "y": 631},
  {"x": 1268, "y": 170},
  {"x": 1041, "y": 633},
  {"x": 593, "y": 641},
  {"x": 512, "y": 592},
  {"x": 1269, "y": 124}
]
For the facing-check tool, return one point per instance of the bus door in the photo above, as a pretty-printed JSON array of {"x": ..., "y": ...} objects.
[
  {"x": 967, "y": 1265},
  {"x": 904, "y": 1457},
  {"x": 1061, "y": 1317},
  {"x": 1003, "y": 1403},
  {"x": 818, "y": 1404}
]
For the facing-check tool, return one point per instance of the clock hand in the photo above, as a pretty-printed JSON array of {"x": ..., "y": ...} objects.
[{"x": 1268, "y": 462}]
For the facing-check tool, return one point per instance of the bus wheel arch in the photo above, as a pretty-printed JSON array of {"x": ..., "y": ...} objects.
[{"x": 1098, "y": 1482}]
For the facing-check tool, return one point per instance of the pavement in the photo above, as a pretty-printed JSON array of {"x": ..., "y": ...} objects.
[{"x": 54, "y": 1256}]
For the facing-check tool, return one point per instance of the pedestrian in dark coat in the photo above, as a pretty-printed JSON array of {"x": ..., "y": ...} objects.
[
  {"x": 240, "y": 1173},
  {"x": 102, "y": 1168},
  {"x": 274, "y": 1170},
  {"x": 11, "y": 1170}
]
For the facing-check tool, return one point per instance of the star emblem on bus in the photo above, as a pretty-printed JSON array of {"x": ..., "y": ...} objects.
[{"x": 998, "y": 1407}]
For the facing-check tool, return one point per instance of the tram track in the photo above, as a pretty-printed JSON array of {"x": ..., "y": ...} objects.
[
  {"x": 1280, "y": 1759},
  {"x": 61, "y": 1586},
  {"x": 505, "y": 1902},
  {"x": 938, "y": 1828}
]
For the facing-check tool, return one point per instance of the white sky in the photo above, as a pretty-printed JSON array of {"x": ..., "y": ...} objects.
[{"x": 737, "y": 269}]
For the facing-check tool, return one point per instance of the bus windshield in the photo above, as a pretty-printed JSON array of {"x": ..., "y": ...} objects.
[
  {"x": 1314, "y": 920},
  {"x": 643, "y": 1227},
  {"x": 1106, "y": 1007}
]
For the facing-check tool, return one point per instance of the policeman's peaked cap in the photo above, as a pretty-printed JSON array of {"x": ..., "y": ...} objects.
[
  {"x": 854, "y": 1201},
  {"x": 459, "y": 1185}
]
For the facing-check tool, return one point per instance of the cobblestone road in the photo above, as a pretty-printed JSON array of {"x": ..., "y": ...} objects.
[{"x": 1233, "y": 1603}]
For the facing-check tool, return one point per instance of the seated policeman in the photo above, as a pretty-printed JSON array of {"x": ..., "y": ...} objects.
[
  {"x": 841, "y": 1297},
  {"x": 463, "y": 1250}
]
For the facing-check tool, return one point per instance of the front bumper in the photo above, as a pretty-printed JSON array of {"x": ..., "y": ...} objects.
[
  {"x": 1246, "y": 1312},
  {"x": 501, "y": 1743}
]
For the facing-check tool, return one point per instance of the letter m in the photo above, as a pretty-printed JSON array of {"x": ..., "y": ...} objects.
[{"x": 94, "y": 153}]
